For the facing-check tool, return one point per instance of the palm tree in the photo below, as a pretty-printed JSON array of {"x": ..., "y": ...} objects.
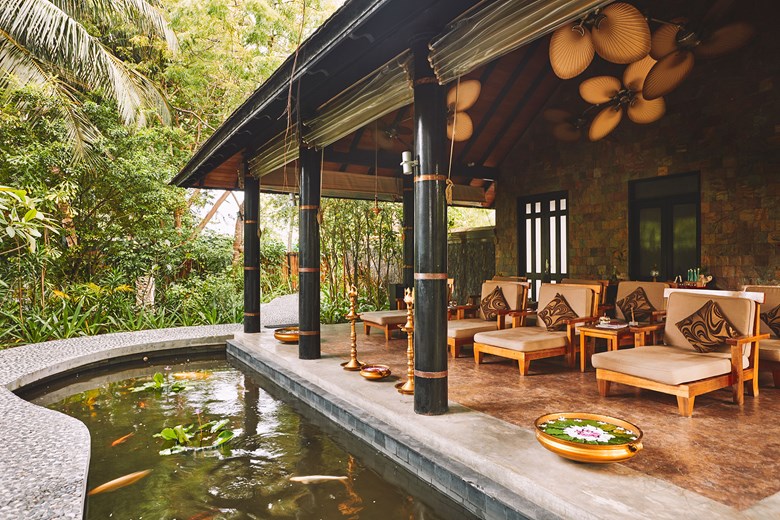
[{"x": 46, "y": 43}]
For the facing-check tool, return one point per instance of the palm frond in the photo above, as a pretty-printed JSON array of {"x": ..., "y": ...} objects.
[
  {"x": 51, "y": 36},
  {"x": 18, "y": 69},
  {"x": 145, "y": 15}
]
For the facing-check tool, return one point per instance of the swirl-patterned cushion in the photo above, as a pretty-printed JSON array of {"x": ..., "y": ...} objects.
[
  {"x": 639, "y": 303},
  {"x": 772, "y": 318},
  {"x": 556, "y": 313},
  {"x": 707, "y": 329},
  {"x": 493, "y": 302}
]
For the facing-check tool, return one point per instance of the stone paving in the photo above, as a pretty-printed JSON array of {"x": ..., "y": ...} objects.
[{"x": 45, "y": 455}]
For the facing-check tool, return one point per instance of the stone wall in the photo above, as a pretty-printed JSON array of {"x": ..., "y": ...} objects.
[
  {"x": 470, "y": 260},
  {"x": 723, "y": 122}
]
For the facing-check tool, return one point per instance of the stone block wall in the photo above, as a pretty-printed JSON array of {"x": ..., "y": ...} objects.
[{"x": 723, "y": 122}]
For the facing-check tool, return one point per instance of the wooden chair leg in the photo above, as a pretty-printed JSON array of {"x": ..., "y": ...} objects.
[
  {"x": 387, "y": 332},
  {"x": 455, "y": 351},
  {"x": 603, "y": 385},
  {"x": 366, "y": 328},
  {"x": 524, "y": 364},
  {"x": 738, "y": 391},
  {"x": 478, "y": 356},
  {"x": 754, "y": 386},
  {"x": 685, "y": 405}
]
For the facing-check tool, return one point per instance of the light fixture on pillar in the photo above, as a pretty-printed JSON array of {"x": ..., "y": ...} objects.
[{"x": 408, "y": 165}]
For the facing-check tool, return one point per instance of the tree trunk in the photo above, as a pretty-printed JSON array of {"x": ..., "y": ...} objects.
[{"x": 209, "y": 215}]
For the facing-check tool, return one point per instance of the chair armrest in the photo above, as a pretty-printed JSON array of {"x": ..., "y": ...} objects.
[
  {"x": 746, "y": 339},
  {"x": 656, "y": 316},
  {"x": 584, "y": 319}
]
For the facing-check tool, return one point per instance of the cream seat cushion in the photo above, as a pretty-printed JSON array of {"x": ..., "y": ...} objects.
[
  {"x": 466, "y": 328},
  {"x": 769, "y": 350},
  {"x": 665, "y": 364},
  {"x": 523, "y": 339},
  {"x": 385, "y": 317}
]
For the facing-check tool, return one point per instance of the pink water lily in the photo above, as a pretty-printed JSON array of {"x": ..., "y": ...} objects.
[{"x": 588, "y": 433}]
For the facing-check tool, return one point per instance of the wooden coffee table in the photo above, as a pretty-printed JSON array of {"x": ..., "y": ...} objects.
[{"x": 613, "y": 337}]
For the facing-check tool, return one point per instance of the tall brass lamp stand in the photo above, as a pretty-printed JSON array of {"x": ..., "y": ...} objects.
[
  {"x": 353, "y": 364},
  {"x": 407, "y": 387}
]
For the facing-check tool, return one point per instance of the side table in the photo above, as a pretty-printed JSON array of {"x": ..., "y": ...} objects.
[{"x": 613, "y": 337}]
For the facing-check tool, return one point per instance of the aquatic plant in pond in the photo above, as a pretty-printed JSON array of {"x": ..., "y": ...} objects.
[
  {"x": 158, "y": 384},
  {"x": 207, "y": 436},
  {"x": 588, "y": 431}
]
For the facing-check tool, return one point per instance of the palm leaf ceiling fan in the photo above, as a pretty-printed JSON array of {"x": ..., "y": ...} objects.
[
  {"x": 676, "y": 44},
  {"x": 460, "y": 98},
  {"x": 616, "y": 97},
  {"x": 618, "y": 33},
  {"x": 391, "y": 136}
]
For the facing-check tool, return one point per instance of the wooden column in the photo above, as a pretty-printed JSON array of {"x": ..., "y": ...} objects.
[
  {"x": 408, "y": 224},
  {"x": 430, "y": 238},
  {"x": 309, "y": 256},
  {"x": 251, "y": 252}
]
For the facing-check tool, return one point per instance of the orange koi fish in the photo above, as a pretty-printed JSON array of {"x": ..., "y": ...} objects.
[
  {"x": 122, "y": 439},
  {"x": 120, "y": 482}
]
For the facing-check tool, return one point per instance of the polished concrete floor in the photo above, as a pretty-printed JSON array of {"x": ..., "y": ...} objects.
[{"x": 726, "y": 453}]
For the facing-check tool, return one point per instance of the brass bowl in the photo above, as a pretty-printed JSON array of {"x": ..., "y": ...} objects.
[
  {"x": 594, "y": 453},
  {"x": 287, "y": 334},
  {"x": 375, "y": 372}
]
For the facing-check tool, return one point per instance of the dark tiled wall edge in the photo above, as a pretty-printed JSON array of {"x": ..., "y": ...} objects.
[{"x": 484, "y": 498}]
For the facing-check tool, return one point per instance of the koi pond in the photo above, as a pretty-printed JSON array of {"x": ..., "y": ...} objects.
[{"x": 198, "y": 440}]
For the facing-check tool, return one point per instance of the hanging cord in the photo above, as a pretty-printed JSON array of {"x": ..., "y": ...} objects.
[
  {"x": 448, "y": 189},
  {"x": 320, "y": 210},
  {"x": 289, "y": 95}
]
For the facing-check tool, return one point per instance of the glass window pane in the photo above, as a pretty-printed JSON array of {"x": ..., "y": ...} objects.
[
  {"x": 528, "y": 209},
  {"x": 553, "y": 246},
  {"x": 650, "y": 226},
  {"x": 538, "y": 244},
  {"x": 538, "y": 207},
  {"x": 684, "y": 248},
  {"x": 529, "y": 246},
  {"x": 564, "y": 249},
  {"x": 552, "y": 205},
  {"x": 537, "y": 285},
  {"x": 563, "y": 204}
]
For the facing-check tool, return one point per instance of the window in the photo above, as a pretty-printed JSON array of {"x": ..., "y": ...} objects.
[
  {"x": 664, "y": 227},
  {"x": 542, "y": 253}
]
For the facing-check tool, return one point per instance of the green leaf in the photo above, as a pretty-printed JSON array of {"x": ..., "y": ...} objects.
[
  {"x": 10, "y": 231},
  {"x": 31, "y": 214},
  {"x": 223, "y": 437},
  {"x": 159, "y": 379},
  {"x": 173, "y": 450},
  {"x": 168, "y": 434},
  {"x": 219, "y": 425}
]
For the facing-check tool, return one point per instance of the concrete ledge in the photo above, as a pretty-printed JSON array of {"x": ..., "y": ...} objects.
[{"x": 45, "y": 456}]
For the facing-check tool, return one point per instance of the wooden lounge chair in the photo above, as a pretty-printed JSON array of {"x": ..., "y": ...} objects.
[
  {"x": 385, "y": 320},
  {"x": 461, "y": 331},
  {"x": 676, "y": 367},
  {"x": 769, "y": 355},
  {"x": 526, "y": 343}
]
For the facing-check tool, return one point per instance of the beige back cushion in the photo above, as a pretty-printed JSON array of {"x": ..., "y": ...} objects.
[
  {"x": 771, "y": 300},
  {"x": 515, "y": 293},
  {"x": 739, "y": 311},
  {"x": 653, "y": 290},
  {"x": 595, "y": 287},
  {"x": 579, "y": 297}
]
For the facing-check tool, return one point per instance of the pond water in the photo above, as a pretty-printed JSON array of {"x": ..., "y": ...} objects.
[{"x": 248, "y": 477}]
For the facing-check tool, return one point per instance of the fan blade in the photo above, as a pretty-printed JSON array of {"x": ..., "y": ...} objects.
[
  {"x": 604, "y": 122},
  {"x": 642, "y": 111},
  {"x": 600, "y": 89},
  {"x": 462, "y": 127},
  {"x": 667, "y": 74},
  {"x": 622, "y": 35},
  {"x": 665, "y": 38},
  {"x": 467, "y": 93},
  {"x": 726, "y": 39},
  {"x": 566, "y": 132},
  {"x": 635, "y": 74},
  {"x": 556, "y": 115},
  {"x": 571, "y": 51},
  {"x": 386, "y": 142}
]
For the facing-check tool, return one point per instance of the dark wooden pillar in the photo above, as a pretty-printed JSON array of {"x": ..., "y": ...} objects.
[
  {"x": 309, "y": 256},
  {"x": 251, "y": 252},
  {"x": 430, "y": 238},
  {"x": 408, "y": 223}
]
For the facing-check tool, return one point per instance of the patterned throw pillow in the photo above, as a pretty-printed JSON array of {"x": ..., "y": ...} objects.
[
  {"x": 708, "y": 328},
  {"x": 555, "y": 314},
  {"x": 772, "y": 318},
  {"x": 493, "y": 302},
  {"x": 639, "y": 303}
]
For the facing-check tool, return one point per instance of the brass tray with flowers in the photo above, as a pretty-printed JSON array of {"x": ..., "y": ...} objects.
[{"x": 587, "y": 437}]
